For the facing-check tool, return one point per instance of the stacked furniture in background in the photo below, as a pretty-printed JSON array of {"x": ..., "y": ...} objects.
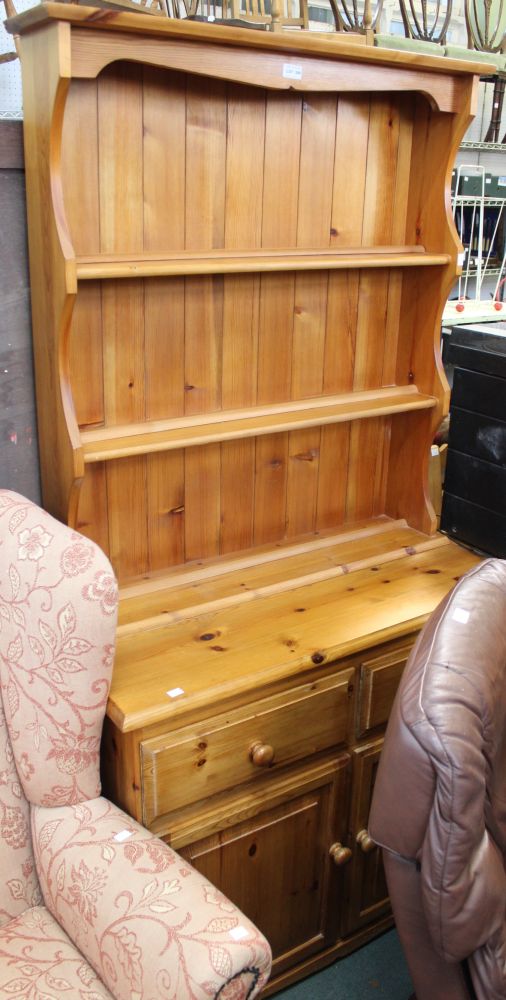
[
  {"x": 237, "y": 283},
  {"x": 474, "y": 499}
]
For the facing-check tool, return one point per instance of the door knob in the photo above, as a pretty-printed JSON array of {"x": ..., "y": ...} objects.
[
  {"x": 340, "y": 854},
  {"x": 365, "y": 842}
]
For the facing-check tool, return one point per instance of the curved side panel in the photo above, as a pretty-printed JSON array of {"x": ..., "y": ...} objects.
[
  {"x": 45, "y": 59},
  {"x": 430, "y": 223}
]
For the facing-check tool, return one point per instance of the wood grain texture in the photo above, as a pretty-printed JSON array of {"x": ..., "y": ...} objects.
[{"x": 260, "y": 254}]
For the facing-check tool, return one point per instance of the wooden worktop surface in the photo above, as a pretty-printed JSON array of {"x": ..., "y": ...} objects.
[{"x": 259, "y": 624}]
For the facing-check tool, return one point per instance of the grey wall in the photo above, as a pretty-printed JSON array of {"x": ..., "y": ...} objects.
[{"x": 19, "y": 469}]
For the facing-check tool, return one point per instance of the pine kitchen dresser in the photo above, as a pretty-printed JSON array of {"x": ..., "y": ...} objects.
[{"x": 240, "y": 248}]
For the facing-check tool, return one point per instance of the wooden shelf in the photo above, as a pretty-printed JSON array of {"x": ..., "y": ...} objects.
[
  {"x": 105, "y": 443},
  {"x": 159, "y": 599},
  {"x": 242, "y": 262}
]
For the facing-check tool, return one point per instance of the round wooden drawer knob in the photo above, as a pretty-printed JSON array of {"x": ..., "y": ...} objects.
[
  {"x": 340, "y": 855},
  {"x": 365, "y": 842},
  {"x": 261, "y": 754}
]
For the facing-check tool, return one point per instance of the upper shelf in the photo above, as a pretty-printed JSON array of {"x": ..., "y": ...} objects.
[
  {"x": 240, "y": 262},
  {"x": 105, "y": 443}
]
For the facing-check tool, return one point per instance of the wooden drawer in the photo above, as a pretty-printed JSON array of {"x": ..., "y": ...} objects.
[
  {"x": 209, "y": 757},
  {"x": 379, "y": 680}
]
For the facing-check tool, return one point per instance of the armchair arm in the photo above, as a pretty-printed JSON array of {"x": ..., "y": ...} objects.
[{"x": 149, "y": 924}]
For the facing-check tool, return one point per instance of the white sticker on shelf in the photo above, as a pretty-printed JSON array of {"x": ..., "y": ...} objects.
[
  {"x": 501, "y": 182},
  {"x": 123, "y": 835},
  {"x": 292, "y": 71},
  {"x": 460, "y": 615},
  {"x": 175, "y": 692},
  {"x": 461, "y": 258}
]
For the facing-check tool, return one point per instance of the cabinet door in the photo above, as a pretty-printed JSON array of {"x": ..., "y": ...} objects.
[
  {"x": 276, "y": 864},
  {"x": 367, "y": 889}
]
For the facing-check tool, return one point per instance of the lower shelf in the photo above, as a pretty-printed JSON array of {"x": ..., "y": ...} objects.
[{"x": 107, "y": 443}]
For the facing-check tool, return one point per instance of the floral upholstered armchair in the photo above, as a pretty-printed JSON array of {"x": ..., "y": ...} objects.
[{"x": 92, "y": 905}]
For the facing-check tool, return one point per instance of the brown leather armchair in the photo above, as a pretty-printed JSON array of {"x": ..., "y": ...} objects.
[{"x": 439, "y": 804}]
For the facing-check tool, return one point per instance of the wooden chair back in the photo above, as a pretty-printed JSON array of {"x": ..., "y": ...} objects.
[
  {"x": 424, "y": 22},
  {"x": 486, "y": 24},
  {"x": 359, "y": 17}
]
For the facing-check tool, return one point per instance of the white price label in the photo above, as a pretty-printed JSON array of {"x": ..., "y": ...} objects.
[{"x": 292, "y": 72}]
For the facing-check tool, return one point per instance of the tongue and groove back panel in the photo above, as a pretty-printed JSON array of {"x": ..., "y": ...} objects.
[{"x": 155, "y": 161}]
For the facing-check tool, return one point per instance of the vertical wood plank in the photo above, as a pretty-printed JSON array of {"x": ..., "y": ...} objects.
[
  {"x": 86, "y": 363},
  {"x": 243, "y": 229},
  {"x": 369, "y": 442},
  {"x": 92, "y": 515},
  {"x": 352, "y": 136},
  {"x": 123, "y": 315},
  {"x": 80, "y": 178},
  {"x": 369, "y": 438},
  {"x": 399, "y": 234},
  {"x": 302, "y": 486},
  {"x": 79, "y": 166},
  {"x": 317, "y": 154},
  {"x": 275, "y": 341},
  {"x": 341, "y": 324},
  {"x": 203, "y": 344},
  {"x": 164, "y": 170},
  {"x": 237, "y": 495},
  {"x": 318, "y": 142},
  {"x": 164, "y": 351},
  {"x": 128, "y": 527},
  {"x": 270, "y": 488},
  {"x": 166, "y": 511},
  {"x": 120, "y": 130},
  {"x": 309, "y": 334},
  {"x": 382, "y": 152},
  {"x": 123, "y": 323},
  {"x": 202, "y": 502},
  {"x": 120, "y": 159},
  {"x": 346, "y": 229},
  {"x": 283, "y": 124},
  {"x": 164, "y": 159},
  {"x": 333, "y": 476},
  {"x": 206, "y": 143}
]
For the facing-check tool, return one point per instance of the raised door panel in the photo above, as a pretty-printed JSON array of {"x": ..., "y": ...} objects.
[
  {"x": 367, "y": 890},
  {"x": 275, "y": 865}
]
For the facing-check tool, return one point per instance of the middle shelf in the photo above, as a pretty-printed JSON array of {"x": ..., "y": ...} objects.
[
  {"x": 142, "y": 438},
  {"x": 104, "y": 266}
]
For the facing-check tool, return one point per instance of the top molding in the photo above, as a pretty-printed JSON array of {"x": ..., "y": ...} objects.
[
  {"x": 303, "y": 42},
  {"x": 85, "y": 40}
]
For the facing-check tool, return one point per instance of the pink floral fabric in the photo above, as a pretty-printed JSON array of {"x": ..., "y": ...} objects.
[
  {"x": 38, "y": 962},
  {"x": 149, "y": 924},
  {"x": 19, "y": 888},
  {"x": 117, "y": 897},
  {"x": 58, "y": 606}
]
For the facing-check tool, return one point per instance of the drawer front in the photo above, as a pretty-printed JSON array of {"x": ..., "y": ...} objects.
[
  {"x": 379, "y": 680},
  {"x": 216, "y": 755},
  {"x": 483, "y": 529},
  {"x": 479, "y": 436}
]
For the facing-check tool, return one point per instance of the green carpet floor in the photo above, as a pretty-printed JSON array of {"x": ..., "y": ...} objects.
[{"x": 378, "y": 970}]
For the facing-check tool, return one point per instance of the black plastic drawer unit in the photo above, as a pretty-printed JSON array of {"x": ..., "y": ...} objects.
[{"x": 474, "y": 498}]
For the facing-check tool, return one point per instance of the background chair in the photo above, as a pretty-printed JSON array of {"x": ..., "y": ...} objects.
[
  {"x": 91, "y": 904},
  {"x": 439, "y": 804}
]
